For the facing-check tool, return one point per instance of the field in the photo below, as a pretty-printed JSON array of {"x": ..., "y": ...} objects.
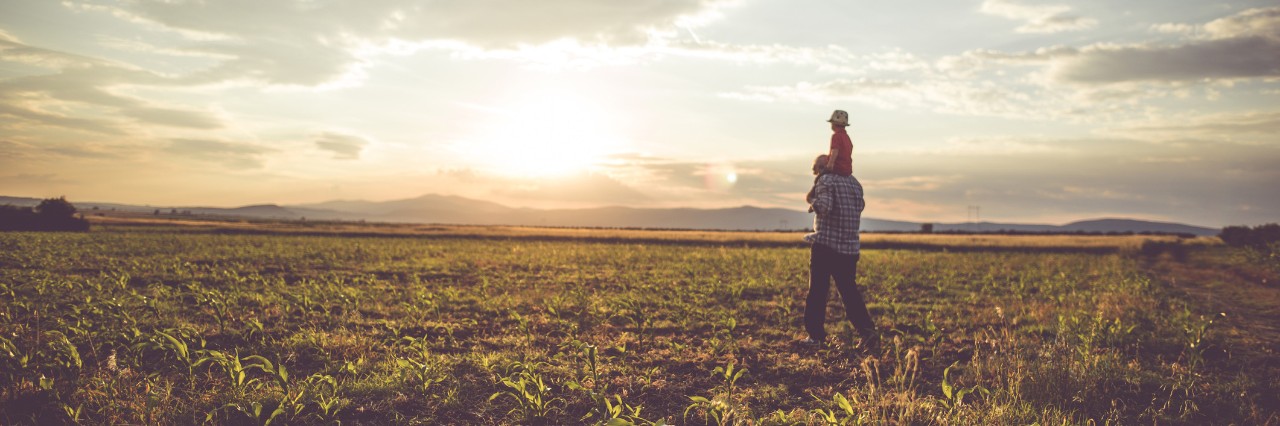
[{"x": 151, "y": 323}]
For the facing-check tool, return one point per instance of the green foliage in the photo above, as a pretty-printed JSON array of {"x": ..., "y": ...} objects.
[
  {"x": 531, "y": 394},
  {"x": 720, "y": 409}
]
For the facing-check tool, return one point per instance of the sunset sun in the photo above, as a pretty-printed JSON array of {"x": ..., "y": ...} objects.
[{"x": 544, "y": 134}]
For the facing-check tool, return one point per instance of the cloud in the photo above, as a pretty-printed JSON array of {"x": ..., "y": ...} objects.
[
  {"x": 81, "y": 81},
  {"x": 10, "y": 150},
  {"x": 20, "y": 114},
  {"x": 236, "y": 155},
  {"x": 1263, "y": 22},
  {"x": 1247, "y": 57},
  {"x": 1257, "y": 126},
  {"x": 345, "y": 147},
  {"x": 314, "y": 43},
  {"x": 681, "y": 183},
  {"x": 13, "y": 50},
  {"x": 33, "y": 179},
  {"x": 910, "y": 183},
  {"x": 1038, "y": 18},
  {"x": 44, "y": 152},
  {"x": 1201, "y": 181},
  {"x": 1244, "y": 45},
  {"x": 929, "y": 92}
]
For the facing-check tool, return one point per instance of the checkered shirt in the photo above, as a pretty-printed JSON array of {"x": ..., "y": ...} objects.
[{"x": 838, "y": 203}]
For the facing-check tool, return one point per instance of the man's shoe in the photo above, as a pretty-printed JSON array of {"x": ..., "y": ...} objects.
[{"x": 808, "y": 342}]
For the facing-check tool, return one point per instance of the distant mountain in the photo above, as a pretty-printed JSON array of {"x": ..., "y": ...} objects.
[
  {"x": 262, "y": 210},
  {"x": 412, "y": 207},
  {"x": 458, "y": 210},
  {"x": 1130, "y": 225},
  {"x": 18, "y": 201}
]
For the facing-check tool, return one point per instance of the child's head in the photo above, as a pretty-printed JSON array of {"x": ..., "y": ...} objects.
[
  {"x": 820, "y": 164},
  {"x": 839, "y": 119}
]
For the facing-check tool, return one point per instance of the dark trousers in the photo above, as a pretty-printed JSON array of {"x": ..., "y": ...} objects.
[{"x": 824, "y": 265}]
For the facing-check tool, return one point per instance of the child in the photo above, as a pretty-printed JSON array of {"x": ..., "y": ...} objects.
[{"x": 840, "y": 160}]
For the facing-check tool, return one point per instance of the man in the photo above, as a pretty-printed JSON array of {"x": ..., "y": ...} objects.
[{"x": 837, "y": 201}]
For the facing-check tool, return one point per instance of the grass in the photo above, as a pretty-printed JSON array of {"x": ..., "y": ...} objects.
[{"x": 155, "y": 324}]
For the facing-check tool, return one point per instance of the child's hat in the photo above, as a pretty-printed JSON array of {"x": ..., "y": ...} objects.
[{"x": 839, "y": 117}]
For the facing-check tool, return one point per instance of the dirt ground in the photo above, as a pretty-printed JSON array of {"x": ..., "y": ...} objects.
[{"x": 1248, "y": 296}]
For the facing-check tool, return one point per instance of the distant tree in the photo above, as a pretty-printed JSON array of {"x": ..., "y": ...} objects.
[
  {"x": 14, "y": 218},
  {"x": 156, "y": 213},
  {"x": 1257, "y": 236},
  {"x": 1234, "y": 235},
  {"x": 926, "y": 228},
  {"x": 55, "y": 208},
  {"x": 53, "y": 214}
]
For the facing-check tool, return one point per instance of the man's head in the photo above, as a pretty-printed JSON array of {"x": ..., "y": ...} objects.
[{"x": 820, "y": 164}]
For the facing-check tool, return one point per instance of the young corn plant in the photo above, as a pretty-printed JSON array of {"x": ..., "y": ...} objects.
[
  {"x": 173, "y": 344},
  {"x": 14, "y": 364},
  {"x": 324, "y": 391},
  {"x": 530, "y": 393},
  {"x": 62, "y": 352},
  {"x": 841, "y": 413},
  {"x": 1195, "y": 331},
  {"x": 213, "y": 299},
  {"x": 254, "y": 330},
  {"x": 236, "y": 369},
  {"x": 604, "y": 410},
  {"x": 73, "y": 414},
  {"x": 955, "y": 396},
  {"x": 420, "y": 373},
  {"x": 722, "y": 411},
  {"x": 255, "y": 412}
]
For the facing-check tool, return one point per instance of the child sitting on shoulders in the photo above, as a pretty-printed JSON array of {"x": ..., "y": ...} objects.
[{"x": 840, "y": 159}]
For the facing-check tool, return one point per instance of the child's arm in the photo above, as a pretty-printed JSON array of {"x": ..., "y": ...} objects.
[{"x": 831, "y": 158}]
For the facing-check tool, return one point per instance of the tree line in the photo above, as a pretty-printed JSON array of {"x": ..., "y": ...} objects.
[
  {"x": 52, "y": 214},
  {"x": 1244, "y": 236}
]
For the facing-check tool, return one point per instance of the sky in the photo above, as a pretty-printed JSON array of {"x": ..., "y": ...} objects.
[{"x": 1033, "y": 111}]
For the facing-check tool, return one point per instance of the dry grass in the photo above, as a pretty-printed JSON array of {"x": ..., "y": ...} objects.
[{"x": 1064, "y": 243}]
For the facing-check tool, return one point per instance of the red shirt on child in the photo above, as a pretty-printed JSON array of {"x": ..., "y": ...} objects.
[{"x": 844, "y": 152}]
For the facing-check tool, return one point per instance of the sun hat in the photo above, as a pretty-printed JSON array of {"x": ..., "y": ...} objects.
[{"x": 839, "y": 117}]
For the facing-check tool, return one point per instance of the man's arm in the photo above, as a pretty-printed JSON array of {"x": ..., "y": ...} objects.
[{"x": 822, "y": 198}]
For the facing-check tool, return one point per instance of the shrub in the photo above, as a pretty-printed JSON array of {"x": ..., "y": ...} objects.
[
  {"x": 53, "y": 214},
  {"x": 1258, "y": 236}
]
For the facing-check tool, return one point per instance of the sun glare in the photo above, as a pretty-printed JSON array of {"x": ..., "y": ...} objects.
[{"x": 548, "y": 134}]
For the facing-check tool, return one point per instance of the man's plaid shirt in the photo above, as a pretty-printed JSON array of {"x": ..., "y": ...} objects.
[{"x": 838, "y": 203}]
